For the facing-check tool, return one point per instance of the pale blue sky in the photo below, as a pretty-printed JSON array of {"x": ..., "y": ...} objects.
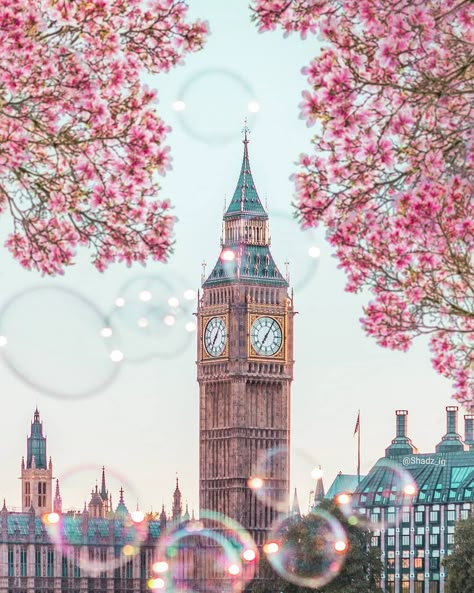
[{"x": 144, "y": 425}]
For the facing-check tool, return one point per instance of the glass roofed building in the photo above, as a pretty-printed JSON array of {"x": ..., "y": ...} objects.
[
  {"x": 99, "y": 549},
  {"x": 412, "y": 501}
]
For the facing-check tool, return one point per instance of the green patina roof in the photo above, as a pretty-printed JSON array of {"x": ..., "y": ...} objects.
[
  {"x": 252, "y": 261},
  {"x": 252, "y": 264},
  {"x": 245, "y": 198},
  {"x": 343, "y": 483},
  {"x": 71, "y": 528},
  {"x": 439, "y": 477}
]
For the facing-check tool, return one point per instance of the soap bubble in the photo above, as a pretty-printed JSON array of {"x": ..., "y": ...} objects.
[
  {"x": 152, "y": 318},
  {"x": 210, "y": 555},
  {"x": 53, "y": 341},
  {"x": 307, "y": 551},
  {"x": 211, "y": 104}
]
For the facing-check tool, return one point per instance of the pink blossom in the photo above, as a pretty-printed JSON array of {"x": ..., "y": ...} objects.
[
  {"x": 81, "y": 140},
  {"x": 391, "y": 172}
]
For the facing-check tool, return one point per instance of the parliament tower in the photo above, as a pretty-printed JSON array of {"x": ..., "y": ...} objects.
[{"x": 245, "y": 367}]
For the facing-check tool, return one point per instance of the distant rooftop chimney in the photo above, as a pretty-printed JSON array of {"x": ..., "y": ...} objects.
[
  {"x": 451, "y": 441},
  {"x": 401, "y": 444},
  {"x": 469, "y": 430}
]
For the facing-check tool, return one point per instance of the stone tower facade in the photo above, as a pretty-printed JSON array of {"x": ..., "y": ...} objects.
[
  {"x": 245, "y": 367},
  {"x": 37, "y": 473}
]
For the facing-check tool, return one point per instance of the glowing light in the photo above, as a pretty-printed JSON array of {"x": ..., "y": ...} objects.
[
  {"x": 169, "y": 320},
  {"x": 353, "y": 520},
  {"x": 116, "y": 356},
  {"x": 227, "y": 255},
  {"x": 271, "y": 548},
  {"x": 317, "y": 473},
  {"x": 145, "y": 296},
  {"x": 193, "y": 526},
  {"x": 143, "y": 322},
  {"x": 314, "y": 251},
  {"x": 409, "y": 489},
  {"x": 119, "y": 302},
  {"x": 340, "y": 546},
  {"x": 343, "y": 499},
  {"x": 106, "y": 332},
  {"x": 253, "y": 106},
  {"x": 3, "y": 341},
  {"x": 137, "y": 516},
  {"x": 255, "y": 483},
  {"x": 178, "y": 105},
  {"x": 233, "y": 569},
  {"x": 189, "y": 294},
  {"x": 249, "y": 555},
  {"x": 156, "y": 583},
  {"x": 128, "y": 550},
  {"x": 160, "y": 566},
  {"x": 173, "y": 302},
  {"x": 51, "y": 518},
  {"x": 190, "y": 326}
]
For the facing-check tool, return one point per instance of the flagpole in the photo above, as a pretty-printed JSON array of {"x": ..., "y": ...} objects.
[{"x": 358, "y": 450}]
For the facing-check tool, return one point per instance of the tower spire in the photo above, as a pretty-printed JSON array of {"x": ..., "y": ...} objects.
[
  {"x": 245, "y": 245},
  {"x": 57, "y": 503}
]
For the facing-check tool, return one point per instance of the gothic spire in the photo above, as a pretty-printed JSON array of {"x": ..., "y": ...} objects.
[
  {"x": 245, "y": 254},
  {"x": 295, "y": 507},
  {"x": 57, "y": 503},
  {"x": 245, "y": 198},
  {"x": 177, "y": 509},
  {"x": 104, "y": 494},
  {"x": 319, "y": 489},
  {"x": 36, "y": 444}
]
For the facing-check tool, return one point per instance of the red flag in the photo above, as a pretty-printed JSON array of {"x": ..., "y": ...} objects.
[{"x": 357, "y": 426}]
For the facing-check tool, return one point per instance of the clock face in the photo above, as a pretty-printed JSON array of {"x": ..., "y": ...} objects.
[
  {"x": 215, "y": 336},
  {"x": 266, "y": 336}
]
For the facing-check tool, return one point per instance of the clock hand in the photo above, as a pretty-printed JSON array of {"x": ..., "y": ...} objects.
[
  {"x": 266, "y": 335},
  {"x": 215, "y": 337}
]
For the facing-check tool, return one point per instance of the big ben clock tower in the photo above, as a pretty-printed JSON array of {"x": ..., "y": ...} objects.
[{"x": 244, "y": 367}]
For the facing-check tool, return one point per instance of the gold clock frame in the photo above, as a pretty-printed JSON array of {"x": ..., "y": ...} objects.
[
  {"x": 204, "y": 354},
  {"x": 282, "y": 321}
]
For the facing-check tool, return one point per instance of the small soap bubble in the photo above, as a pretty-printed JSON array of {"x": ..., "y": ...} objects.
[
  {"x": 314, "y": 251},
  {"x": 56, "y": 342},
  {"x": 307, "y": 551},
  {"x": 137, "y": 516},
  {"x": 116, "y": 356},
  {"x": 253, "y": 106},
  {"x": 160, "y": 567},
  {"x": 3, "y": 341},
  {"x": 169, "y": 320},
  {"x": 189, "y": 294},
  {"x": 227, "y": 255},
  {"x": 215, "y": 100},
  {"x": 153, "y": 320},
  {"x": 106, "y": 332},
  {"x": 119, "y": 302},
  {"x": 178, "y": 105},
  {"x": 190, "y": 326},
  {"x": 143, "y": 322},
  {"x": 145, "y": 296}
]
